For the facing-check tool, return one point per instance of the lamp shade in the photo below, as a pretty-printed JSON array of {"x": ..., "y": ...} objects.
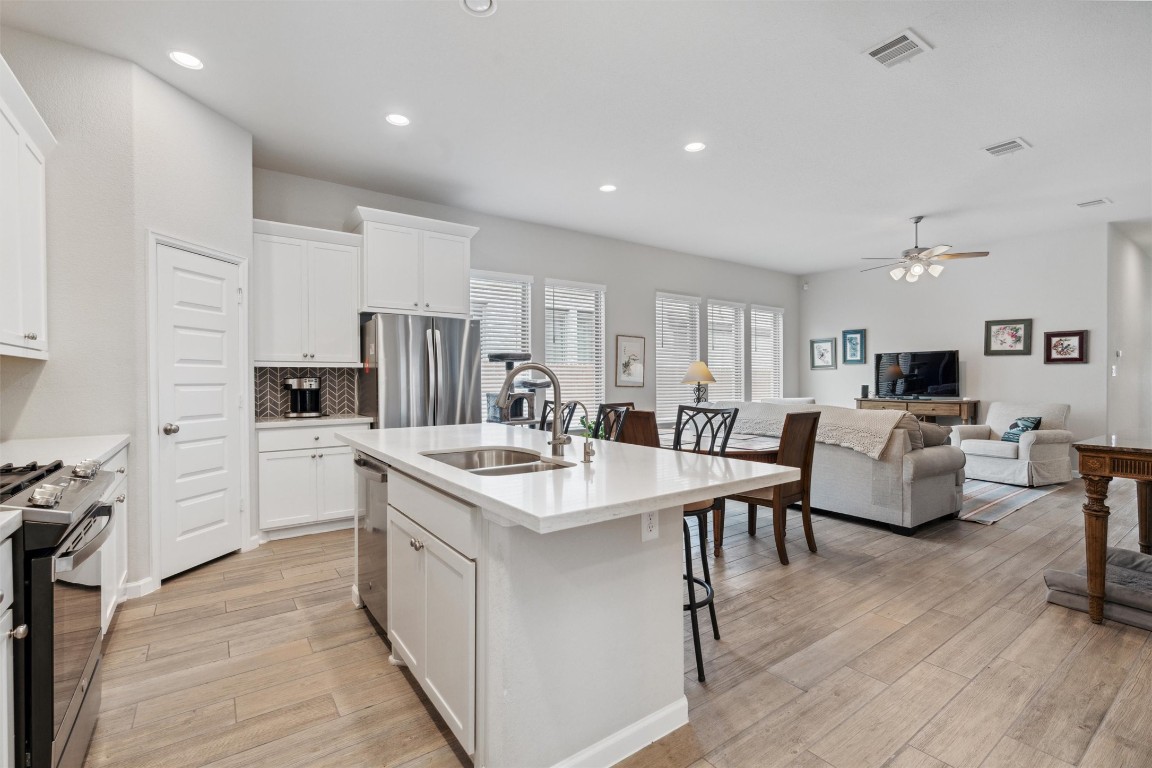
[{"x": 698, "y": 373}]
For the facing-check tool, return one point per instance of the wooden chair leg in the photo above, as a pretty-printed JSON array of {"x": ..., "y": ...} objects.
[
  {"x": 806, "y": 513},
  {"x": 778, "y": 512},
  {"x": 718, "y": 528},
  {"x": 751, "y": 519}
]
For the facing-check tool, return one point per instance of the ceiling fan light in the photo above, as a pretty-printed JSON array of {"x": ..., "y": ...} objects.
[
  {"x": 912, "y": 277},
  {"x": 935, "y": 269},
  {"x": 916, "y": 269},
  {"x": 897, "y": 273}
]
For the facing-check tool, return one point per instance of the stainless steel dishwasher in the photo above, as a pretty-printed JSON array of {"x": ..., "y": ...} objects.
[{"x": 372, "y": 538}]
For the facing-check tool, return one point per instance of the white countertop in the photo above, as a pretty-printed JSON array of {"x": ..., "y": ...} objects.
[
  {"x": 9, "y": 523},
  {"x": 335, "y": 420},
  {"x": 68, "y": 449},
  {"x": 622, "y": 479}
]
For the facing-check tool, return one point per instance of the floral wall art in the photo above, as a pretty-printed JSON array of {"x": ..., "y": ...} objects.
[
  {"x": 1008, "y": 337},
  {"x": 1066, "y": 347}
]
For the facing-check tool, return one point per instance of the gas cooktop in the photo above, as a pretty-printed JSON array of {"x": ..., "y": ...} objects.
[{"x": 52, "y": 492}]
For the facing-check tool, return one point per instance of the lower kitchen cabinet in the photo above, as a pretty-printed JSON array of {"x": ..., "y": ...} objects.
[
  {"x": 7, "y": 705},
  {"x": 432, "y": 620},
  {"x": 114, "y": 553},
  {"x": 306, "y": 476}
]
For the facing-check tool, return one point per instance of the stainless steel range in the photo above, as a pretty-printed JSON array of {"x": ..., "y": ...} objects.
[{"x": 57, "y": 607}]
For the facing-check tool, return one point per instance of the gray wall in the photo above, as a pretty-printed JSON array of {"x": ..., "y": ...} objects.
[
  {"x": 1129, "y": 332},
  {"x": 632, "y": 273},
  {"x": 1059, "y": 279}
]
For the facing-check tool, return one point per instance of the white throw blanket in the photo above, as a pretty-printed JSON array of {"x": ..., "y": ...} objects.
[{"x": 863, "y": 431}]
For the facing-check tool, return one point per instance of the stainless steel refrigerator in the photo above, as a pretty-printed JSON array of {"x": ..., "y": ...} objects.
[{"x": 416, "y": 371}]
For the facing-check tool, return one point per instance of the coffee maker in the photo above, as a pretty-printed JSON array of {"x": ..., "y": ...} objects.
[{"x": 303, "y": 397}]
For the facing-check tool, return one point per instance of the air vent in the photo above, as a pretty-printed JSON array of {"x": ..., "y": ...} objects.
[
  {"x": 899, "y": 48},
  {"x": 1094, "y": 203},
  {"x": 1007, "y": 147}
]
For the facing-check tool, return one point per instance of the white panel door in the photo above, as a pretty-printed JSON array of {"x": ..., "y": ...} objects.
[
  {"x": 288, "y": 487},
  {"x": 280, "y": 299},
  {"x": 335, "y": 483},
  {"x": 391, "y": 272},
  {"x": 11, "y": 265},
  {"x": 197, "y": 345},
  {"x": 445, "y": 265},
  {"x": 334, "y": 321},
  {"x": 406, "y": 591}
]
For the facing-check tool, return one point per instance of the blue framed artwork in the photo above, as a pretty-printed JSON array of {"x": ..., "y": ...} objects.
[{"x": 853, "y": 345}]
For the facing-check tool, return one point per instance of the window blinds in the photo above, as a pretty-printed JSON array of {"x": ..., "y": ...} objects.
[
  {"x": 574, "y": 341},
  {"x": 726, "y": 350},
  {"x": 767, "y": 352},
  {"x": 677, "y": 346},
  {"x": 503, "y": 305}
]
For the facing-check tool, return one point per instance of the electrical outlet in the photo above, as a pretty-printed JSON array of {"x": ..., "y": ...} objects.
[{"x": 649, "y": 526}]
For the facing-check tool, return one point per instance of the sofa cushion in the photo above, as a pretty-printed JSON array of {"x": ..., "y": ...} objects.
[
  {"x": 934, "y": 434},
  {"x": 911, "y": 425},
  {"x": 1018, "y": 427},
  {"x": 996, "y": 448}
]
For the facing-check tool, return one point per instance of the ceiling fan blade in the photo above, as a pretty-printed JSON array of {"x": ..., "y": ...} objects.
[
  {"x": 877, "y": 258},
  {"x": 884, "y": 266},
  {"x": 939, "y": 249},
  {"x": 972, "y": 255}
]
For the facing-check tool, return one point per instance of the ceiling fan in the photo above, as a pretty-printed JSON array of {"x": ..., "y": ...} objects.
[{"x": 915, "y": 261}]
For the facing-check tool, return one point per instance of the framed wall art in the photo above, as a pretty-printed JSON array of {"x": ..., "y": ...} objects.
[
  {"x": 629, "y": 361},
  {"x": 822, "y": 354},
  {"x": 1066, "y": 346},
  {"x": 852, "y": 346},
  {"x": 1008, "y": 337}
]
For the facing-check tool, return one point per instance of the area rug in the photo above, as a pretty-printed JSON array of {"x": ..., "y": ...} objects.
[{"x": 986, "y": 502}]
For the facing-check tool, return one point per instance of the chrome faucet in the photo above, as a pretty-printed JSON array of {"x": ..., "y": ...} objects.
[{"x": 504, "y": 402}]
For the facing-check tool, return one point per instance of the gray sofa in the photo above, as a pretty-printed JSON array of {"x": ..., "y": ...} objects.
[{"x": 906, "y": 486}]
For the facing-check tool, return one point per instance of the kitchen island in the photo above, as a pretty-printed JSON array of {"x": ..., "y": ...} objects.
[{"x": 542, "y": 612}]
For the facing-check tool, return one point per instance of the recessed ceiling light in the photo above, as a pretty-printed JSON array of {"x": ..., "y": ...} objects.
[
  {"x": 695, "y": 146},
  {"x": 608, "y": 188},
  {"x": 479, "y": 7},
  {"x": 186, "y": 60},
  {"x": 396, "y": 119}
]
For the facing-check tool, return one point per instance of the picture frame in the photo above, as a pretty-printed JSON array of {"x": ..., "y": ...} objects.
[
  {"x": 822, "y": 354},
  {"x": 629, "y": 361},
  {"x": 1066, "y": 346},
  {"x": 853, "y": 346},
  {"x": 1008, "y": 337}
]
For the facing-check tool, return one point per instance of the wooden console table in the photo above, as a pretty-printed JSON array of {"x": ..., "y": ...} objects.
[
  {"x": 928, "y": 410},
  {"x": 1100, "y": 460}
]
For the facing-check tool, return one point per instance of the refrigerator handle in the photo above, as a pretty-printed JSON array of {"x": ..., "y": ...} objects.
[
  {"x": 433, "y": 390},
  {"x": 441, "y": 407}
]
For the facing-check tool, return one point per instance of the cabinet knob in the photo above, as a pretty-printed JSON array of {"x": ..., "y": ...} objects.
[
  {"x": 416, "y": 544},
  {"x": 121, "y": 498},
  {"x": 317, "y": 437},
  {"x": 312, "y": 355},
  {"x": 122, "y": 470},
  {"x": 320, "y": 455},
  {"x": 30, "y": 336},
  {"x": 305, "y": 355},
  {"x": 19, "y": 633},
  {"x": 427, "y": 304},
  {"x": 313, "y": 455}
]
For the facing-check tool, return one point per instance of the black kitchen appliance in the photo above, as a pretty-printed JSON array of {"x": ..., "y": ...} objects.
[
  {"x": 56, "y": 607},
  {"x": 303, "y": 397}
]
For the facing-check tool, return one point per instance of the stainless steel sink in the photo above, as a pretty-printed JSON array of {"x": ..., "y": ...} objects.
[
  {"x": 485, "y": 458},
  {"x": 520, "y": 469}
]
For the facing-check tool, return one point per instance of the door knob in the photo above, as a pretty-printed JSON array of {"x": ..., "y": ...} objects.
[{"x": 171, "y": 429}]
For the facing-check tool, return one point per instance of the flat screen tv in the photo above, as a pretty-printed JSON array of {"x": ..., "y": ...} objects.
[{"x": 918, "y": 374}]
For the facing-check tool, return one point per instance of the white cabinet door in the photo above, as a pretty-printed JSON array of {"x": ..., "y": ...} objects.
[
  {"x": 279, "y": 299},
  {"x": 391, "y": 274},
  {"x": 406, "y": 593},
  {"x": 333, "y": 319},
  {"x": 113, "y": 555},
  {"x": 335, "y": 483},
  {"x": 445, "y": 273},
  {"x": 449, "y": 668},
  {"x": 7, "y": 705},
  {"x": 33, "y": 248},
  {"x": 287, "y": 488},
  {"x": 12, "y": 265}
]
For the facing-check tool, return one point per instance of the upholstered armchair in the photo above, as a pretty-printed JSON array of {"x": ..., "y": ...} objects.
[{"x": 1042, "y": 456}]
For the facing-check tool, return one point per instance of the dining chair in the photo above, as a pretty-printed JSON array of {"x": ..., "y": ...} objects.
[
  {"x": 640, "y": 429},
  {"x": 797, "y": 444},
  {"x": 546, "y": 415},
  {"x": 610, "y": 420},
  {"x": 701, "y": 430}
]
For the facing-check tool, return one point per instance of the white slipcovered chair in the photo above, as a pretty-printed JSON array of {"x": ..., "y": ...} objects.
[{"x": 1042, "y": 456}]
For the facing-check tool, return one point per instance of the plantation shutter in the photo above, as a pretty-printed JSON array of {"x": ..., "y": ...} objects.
[
  {"x": 726, "y": 350},
  {"x": 503, "y": 305},
  {"x": 677, "y": 346},
  {"x": 574, "y": 341},
  {"x": 767, "y": 352}
]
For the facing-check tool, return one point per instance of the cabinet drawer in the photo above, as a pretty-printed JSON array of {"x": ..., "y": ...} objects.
[
  {"x": 872, "y": 405},
  {"x": 934, "y": 409},
  {"x": 298, "y": 438},
  {"x": 118, "y": 463},
  {"x": 6, "y": 574},
  {"x": 453, "y": 521}
]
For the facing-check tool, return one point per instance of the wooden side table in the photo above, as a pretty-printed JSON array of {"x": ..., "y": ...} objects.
[{"x": 927, "y": 410}]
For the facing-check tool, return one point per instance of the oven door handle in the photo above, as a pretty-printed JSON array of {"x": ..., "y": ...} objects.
[{"x": 64, "y": 561}]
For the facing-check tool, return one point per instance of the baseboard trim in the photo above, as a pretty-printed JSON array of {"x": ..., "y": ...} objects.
[
  {"x": 630, "y": 739},
  {"x": 304, "y": 530},
  {"x": 139, "y": 588},
  {"x": 253, "y": 542}
]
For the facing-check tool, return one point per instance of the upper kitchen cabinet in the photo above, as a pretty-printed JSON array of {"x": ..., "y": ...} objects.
[
  {"x": 413, "y": 265},
  {"x": 25, "y": 142},
  {"x": 305, "y": 292}
]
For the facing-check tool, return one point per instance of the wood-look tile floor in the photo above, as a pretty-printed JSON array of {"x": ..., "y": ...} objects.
[{"x": 880, "y": 650}]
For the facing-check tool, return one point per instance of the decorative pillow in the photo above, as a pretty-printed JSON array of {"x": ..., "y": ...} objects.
[
  {"x": 934, "y": 434},
  {"x": 911, "y": 425},
  {"x": 1020, "y": 426}
]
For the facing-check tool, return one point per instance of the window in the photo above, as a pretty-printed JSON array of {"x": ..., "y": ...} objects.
[
  {"x": 574, "y": 341},
  {"x": 677, "y": 346},
  {"x": 767, "y": 352},
  {"x": 726, "y": 350},
  {"x": 503, "y": 305}
]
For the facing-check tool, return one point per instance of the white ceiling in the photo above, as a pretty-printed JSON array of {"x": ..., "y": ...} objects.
[{"x": 816, "y": 154}]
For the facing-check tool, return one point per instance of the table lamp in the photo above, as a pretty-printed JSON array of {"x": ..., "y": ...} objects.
[{"x": 699, "y": 375}]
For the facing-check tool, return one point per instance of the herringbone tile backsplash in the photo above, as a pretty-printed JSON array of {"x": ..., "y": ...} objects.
[{"x": 337, "y": 390}]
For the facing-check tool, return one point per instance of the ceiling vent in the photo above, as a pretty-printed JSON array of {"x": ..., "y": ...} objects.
[
  {"x": 1007, "y": 147},
  {"x": 899, "y": 48},
  {"x": 1094, "y": 203}
]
